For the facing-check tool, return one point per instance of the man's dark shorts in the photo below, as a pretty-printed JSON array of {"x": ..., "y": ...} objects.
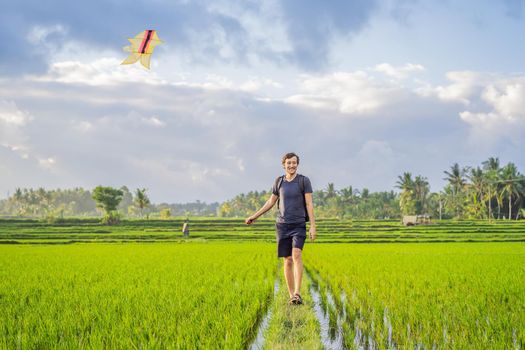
[{"x": 289, "y": 236}]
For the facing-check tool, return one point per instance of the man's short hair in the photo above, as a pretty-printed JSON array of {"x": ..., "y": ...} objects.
[{"x": 288, "y": 156}]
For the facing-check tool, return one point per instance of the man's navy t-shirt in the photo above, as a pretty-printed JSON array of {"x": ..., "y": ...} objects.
[{"x": 291, "y": 200}]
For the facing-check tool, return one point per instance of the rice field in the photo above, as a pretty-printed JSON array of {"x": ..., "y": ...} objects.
[
  {"x": 369, "y": 285},
  {"x": 217, "y": 229},
  {"x": 134, "y": 296},
  {"x": 452, "y": 295}
]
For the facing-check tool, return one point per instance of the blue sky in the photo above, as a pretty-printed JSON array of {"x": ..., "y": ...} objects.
[{"x": 362, "y": 90}]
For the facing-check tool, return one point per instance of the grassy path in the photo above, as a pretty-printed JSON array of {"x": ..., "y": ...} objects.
[{"x": 293, "y": 326}]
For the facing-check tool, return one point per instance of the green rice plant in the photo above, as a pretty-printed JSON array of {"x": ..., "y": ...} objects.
[
  {"x": 333, "y": 231},
  {"x": 134, "y": 295},
  {"x": 453, "y": 295}
]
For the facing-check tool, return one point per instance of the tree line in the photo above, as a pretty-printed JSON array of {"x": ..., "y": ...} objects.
[
  {"x": 489, "y": 191},
  {"x": 345, "y": 203},
  {"x": 79, "y": 202}
]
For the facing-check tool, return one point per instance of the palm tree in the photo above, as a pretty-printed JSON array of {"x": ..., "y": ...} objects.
[
  {"x": 511, "y": 180},
  {"x": 491, "y": 164},
  {"x": 330, "y": 190},
  {"x": 43, "y": 200},
  {"x": 442, "y": 201},
  {"x": 492, "y": 171},
  {"x": 406, "y": 199},
  {"x": 347, "y": 194},
  {"x": 18, "y": 198},
  {"x": 456, "y": 179},
  {"x": 347, "y": 198},
  {"x": 421, "y": 190},
  {"x": 477, "y": 188},
  {"x": 499, "y": 197},
  {"x": 141, "y": 199},
  {"x": 405, "y": 182},
  {"x": 320, "y": 198}
]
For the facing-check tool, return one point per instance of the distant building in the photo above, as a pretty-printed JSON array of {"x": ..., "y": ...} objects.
[{"x": 412, "y": 220}]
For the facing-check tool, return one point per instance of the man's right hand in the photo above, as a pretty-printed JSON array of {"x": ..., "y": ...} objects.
[{"x": 249, "y": 220}]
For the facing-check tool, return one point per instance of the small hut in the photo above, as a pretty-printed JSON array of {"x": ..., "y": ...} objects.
[{"x": 412, "y": 220}]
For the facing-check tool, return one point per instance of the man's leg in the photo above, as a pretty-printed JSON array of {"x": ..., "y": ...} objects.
[
  {"x": 297, "y": 269},
  {"x": 289, "y": 274}
]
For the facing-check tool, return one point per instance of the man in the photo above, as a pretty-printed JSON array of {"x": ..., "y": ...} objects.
[
  {"x": 186, "y": 228},
  {"x": 293, "y": 192}
]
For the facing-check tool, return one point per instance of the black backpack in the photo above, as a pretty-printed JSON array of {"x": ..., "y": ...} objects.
[{"x": 278, "y": 184}]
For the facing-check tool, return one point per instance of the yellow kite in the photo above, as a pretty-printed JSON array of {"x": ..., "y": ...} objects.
[{"x": 142, "y": 47}]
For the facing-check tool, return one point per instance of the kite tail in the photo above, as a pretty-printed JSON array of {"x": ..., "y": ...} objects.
[
  {"x": 145, "y": 59},
  {"x": 132, "y": 58}
]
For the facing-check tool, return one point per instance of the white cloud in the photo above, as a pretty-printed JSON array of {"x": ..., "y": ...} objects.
[
  {"x": 153, "y": 121},
  {"x": 488, "y": 121},
  {"x": 507, "y": 98},
  {"x": 178, "y": 174},
  {"x": 21, "y": 150},
  {"x": 493, "y": 105},
  {"x": 464, "y": 86},
  {"x": 213, "y": 143},
  {"x": 215, "y": 81},
  {"x": 47, "y": 163},
  {"x": 82, "y": 126},
  {"x": 10, "y": 115},
  {"x": 238, "y": 162},
  {"x": 108, "y": 72},
  {"x": 100, "y": 72},
  {"x": 348, "y": 93},
  {"x": 133, "y": 120},
  {"x": 12, "y": 124},
  {"x": 255, "y": 84},
  {"x": 490, "y": 127},
  {"x": 263, "y": 23},
  {"x": 374, "y": 149},
  {"x": 14, "y": 134},
  {"x": 498, "y": 111},
  {"x": 401, "y": 72},
  {"x": 220, "y": 82},
  {"x": 38, "y": 35}
]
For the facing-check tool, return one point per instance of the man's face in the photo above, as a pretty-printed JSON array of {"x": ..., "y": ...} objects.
[{"x": 290, "y": 165}]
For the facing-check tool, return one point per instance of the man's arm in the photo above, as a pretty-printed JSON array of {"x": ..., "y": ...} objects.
[
  {"x": 267, "y": 206},
  {"x": 310, "y": 209}
]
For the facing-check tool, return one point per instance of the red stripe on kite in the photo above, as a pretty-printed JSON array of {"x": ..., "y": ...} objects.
[{"x": 144, "y": 45}]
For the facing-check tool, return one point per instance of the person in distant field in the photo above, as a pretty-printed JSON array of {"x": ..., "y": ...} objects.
[
  {"x": 293, "y": 193},
  {"x": 186, "y": 228}
]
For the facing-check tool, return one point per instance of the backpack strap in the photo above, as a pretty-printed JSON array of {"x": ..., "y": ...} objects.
[
  {"x": 278, "y": 183},
  {"x": 301, "y": 185}
]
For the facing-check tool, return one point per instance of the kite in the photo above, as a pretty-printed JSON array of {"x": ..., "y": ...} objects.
[{"x": 141, "y": 47}]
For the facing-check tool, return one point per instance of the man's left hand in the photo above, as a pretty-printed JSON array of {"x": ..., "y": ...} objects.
[{"x": 313, "y": 232}]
